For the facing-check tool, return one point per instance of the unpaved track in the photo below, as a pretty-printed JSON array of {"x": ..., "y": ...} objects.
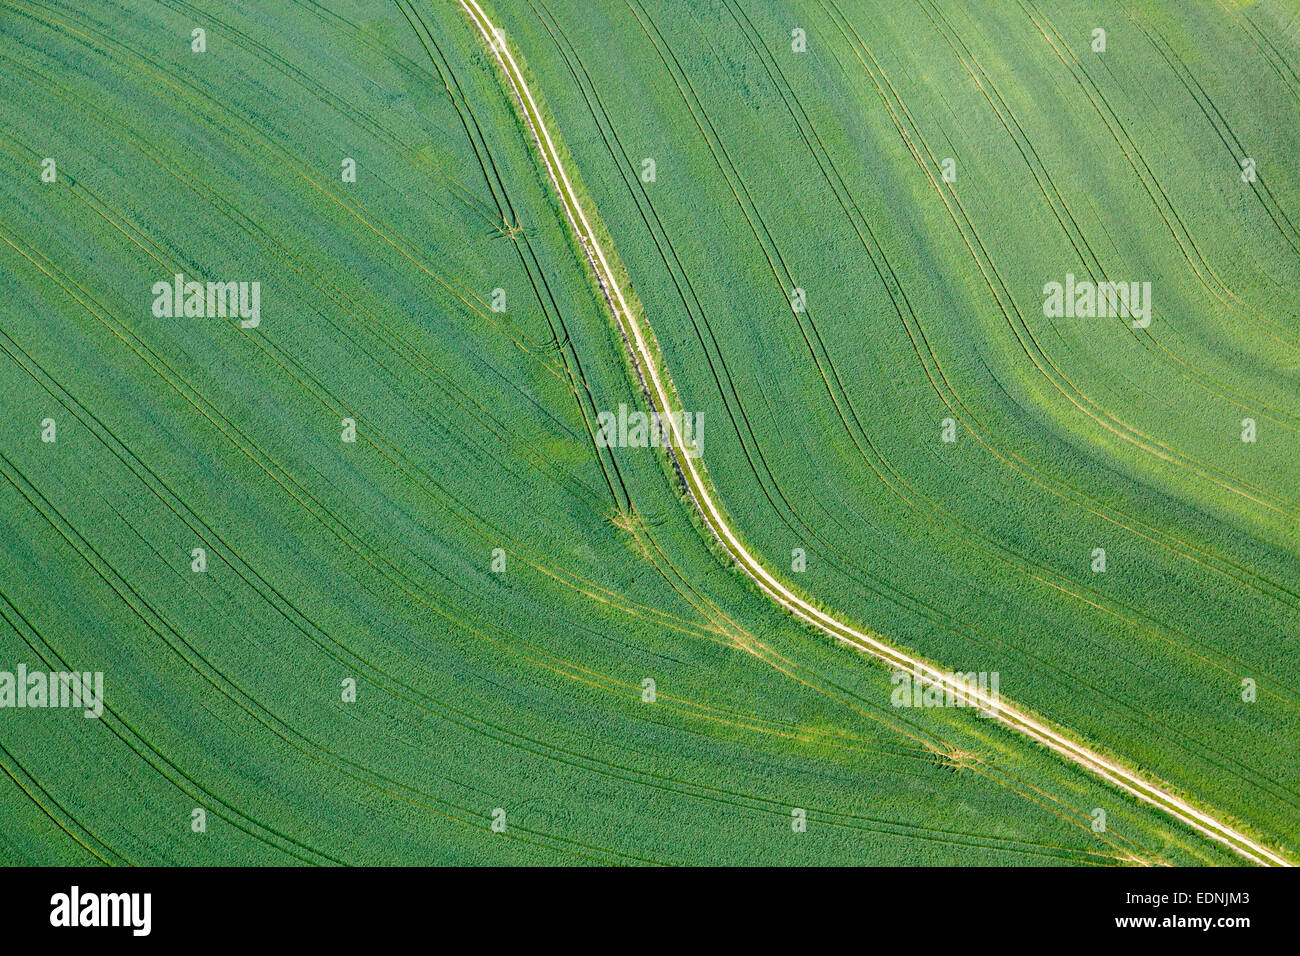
[{"x": 663, "y": 397}]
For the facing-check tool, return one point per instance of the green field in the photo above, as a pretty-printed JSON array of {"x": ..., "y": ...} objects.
[{"x": 499, "y": 587}]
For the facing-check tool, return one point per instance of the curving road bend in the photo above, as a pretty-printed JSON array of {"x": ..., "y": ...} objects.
[{"x": 662, "y": 396}]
